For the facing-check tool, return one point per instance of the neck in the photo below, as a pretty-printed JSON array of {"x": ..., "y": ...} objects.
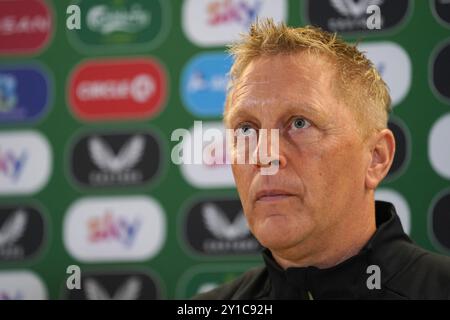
[{"x": 333, "y": 246}]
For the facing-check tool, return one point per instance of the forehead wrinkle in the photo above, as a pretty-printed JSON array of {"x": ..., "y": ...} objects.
[
  {"x": 311, "y": 89},
  {"x": 241, "y": 92},
  {"x": 253, "y": 109}
]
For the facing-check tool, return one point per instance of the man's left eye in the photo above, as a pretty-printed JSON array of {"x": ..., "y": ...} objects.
[{"x": 300, "y": 123}]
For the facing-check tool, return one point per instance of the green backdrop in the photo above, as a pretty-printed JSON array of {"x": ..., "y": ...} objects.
[{"x": 177, "y": 270}]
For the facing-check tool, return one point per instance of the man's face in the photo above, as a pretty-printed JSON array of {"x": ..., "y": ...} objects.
[{"x": 322, "y": 158}]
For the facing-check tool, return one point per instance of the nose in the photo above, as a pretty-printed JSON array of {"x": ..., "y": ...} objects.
[
  {"x": 272, "y": 165},
  {"x": 267, "y": 154}
]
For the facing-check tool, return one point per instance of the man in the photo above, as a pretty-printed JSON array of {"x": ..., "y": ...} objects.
[{"x": 325, "y": 235}]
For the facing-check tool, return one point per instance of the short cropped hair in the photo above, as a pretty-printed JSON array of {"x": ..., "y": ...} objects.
[{"x": 359, "y": 84}]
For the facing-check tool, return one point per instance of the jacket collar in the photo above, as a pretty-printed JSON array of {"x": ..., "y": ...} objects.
[{"x": 347, "y": 280}]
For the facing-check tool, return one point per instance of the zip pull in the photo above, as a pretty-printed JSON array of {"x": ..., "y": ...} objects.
[{"x": 310, "y": 296}]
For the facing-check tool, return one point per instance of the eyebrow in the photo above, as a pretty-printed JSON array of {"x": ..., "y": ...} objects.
[{"x": 242, "y": 112}]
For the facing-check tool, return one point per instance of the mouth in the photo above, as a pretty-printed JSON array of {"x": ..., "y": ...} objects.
[{"x": 272, "y": 195}]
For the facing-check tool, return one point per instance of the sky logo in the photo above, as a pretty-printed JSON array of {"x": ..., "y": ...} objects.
[
  {"x": 215, "y": 170},
  {"x": 126, "y": 228},
  {"x": 209, "y": 23},
  {"x": 11, "y": 164},
  {"x": 111, "y": 228},
  {"x": 8, "y": 296},
  {"x": 25, "y": 162},
  {"x": 24, "y": 94},
  {"x": 228, "y": 11},
  {"x": 204, "y": 84},
  {"x": 21, "y": 285}
]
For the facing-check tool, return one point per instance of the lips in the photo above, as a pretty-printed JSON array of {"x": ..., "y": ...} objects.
[{"x": 272, "y": 195}]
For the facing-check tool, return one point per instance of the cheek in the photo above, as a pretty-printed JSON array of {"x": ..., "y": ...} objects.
[
  {"x": 342, "y": 166},
  {"x": 325, "y": 166},
  {"x": 349, "y": 156},
  {"x": 242, "y": 176}
]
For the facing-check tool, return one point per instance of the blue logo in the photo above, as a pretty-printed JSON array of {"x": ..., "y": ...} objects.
[
  {"x": 24, "y": 93},
  {"x": 204, "y": 84}
]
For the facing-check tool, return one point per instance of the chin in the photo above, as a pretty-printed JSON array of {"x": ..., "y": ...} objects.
[
  {"x": 278, "y": 232},
  {"x": 278, "y": 236},
  {"x": 277, "y": 244}
]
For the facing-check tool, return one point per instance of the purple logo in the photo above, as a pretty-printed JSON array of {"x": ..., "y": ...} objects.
[
  {"x": 11, "y": 165},
  {"x": 8, "y": 296},
  {"x": 112, "y": 228},
  {"x": 222, "y": 12}
]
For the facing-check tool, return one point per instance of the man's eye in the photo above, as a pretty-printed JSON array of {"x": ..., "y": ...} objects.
[
  {"x": 300, "y": 123},
  {"x": 245, "y": 130}
]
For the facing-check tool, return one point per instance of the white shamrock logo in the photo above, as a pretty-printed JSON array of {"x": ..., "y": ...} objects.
[
  {"x": 129, "y": 290},
  {"x": 104, "y": 158},
  {"x": 219, "y": 225},
  {"x": 13, "y": 228},
  {"x": 354, "y": 8}
]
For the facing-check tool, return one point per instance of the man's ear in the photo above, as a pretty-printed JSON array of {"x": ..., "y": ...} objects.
[{"x": 382, "y": 150}]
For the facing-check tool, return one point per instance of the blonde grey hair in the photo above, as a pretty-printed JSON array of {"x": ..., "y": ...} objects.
[{"x": 359, "y": 83}]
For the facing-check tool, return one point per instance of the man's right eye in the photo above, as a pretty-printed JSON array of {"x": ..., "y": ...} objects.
[{"x": 245, "y": 130}]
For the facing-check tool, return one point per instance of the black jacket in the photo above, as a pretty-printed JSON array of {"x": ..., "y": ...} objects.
[{"x": 406, "y": 271}]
